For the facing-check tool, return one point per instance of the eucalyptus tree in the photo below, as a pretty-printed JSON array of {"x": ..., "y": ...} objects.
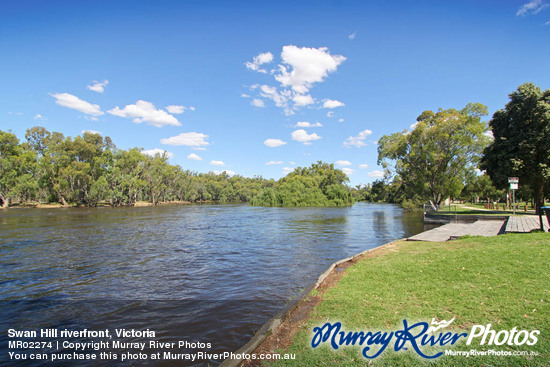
[{"x": 433, "y": 159}]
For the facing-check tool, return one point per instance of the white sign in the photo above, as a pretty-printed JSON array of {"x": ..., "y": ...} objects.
[
  {"x": 513, "y": 186},
  {"x": 513, "y": 180}
]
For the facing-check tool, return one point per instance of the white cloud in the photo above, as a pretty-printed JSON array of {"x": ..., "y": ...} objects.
[
  {"x": 347, "y": 171},
  {"x": 340, "y": 120},
  {"x": 70, "y": 101},
  {"x": 91, "y": 118},
  {"x": 307, "y": 124},
  {"x": 257, "y": 103},
  {"x": 38, "y": 117},
  {"x": 332, "y": 103},
  {"x": 192, "y": 108},
  {"x": 187, "y": 139},
  {"x": 359, "y": 140},
  {"x": 194, "y": 157},
  {"x": 217, "y": 163},
  {"x": 532, "y": 7},
  {"x": 287, "y": 170},
  {"x": 227, "y": 171},
  {"x": 258, "y": 60},
  {"x": 342, "y": 163},
  {"x": 175, "y": 109},
  {"x": 280, "y": 99},
  {"x": 91, "y": 132},
  {"x": 301, "y": 100},
  {"x": 292, "y": 163},
  {"x": 274, "y": 143},
  {"x": 244, "y": 95},
  {"x": 98, "y": 87},
  {"x": 144, "y": 111},
  {"x": 489, "y": 133},
  {"x": 363, "y": 166},
  {"x": 303, "y": 137},
  {"x": 353, "y": 35},
  {"x": 330, "y": 113},
  {"x": 302, "y": 67},
  {"x": 413, "y": 126},
  {"x": 547, "y": 23},
  {"x": 270, "y": 163},
  {"x": 154, "y": 152},
  {"x": 376, "y": 174}
]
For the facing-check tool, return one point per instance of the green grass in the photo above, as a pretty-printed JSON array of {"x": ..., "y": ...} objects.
[{"x": 501, "y": 280}]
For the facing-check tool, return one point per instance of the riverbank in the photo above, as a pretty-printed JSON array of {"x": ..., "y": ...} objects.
[{"x": 419, "y": 281}]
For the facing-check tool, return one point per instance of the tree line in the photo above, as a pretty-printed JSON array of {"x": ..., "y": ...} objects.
[{"x": 90, "y": 170}]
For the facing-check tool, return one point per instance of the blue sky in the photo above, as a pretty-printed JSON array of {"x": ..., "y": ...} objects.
[{"x": 240, "y": 84}]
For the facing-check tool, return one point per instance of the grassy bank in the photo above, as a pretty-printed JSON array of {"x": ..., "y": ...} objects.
[{"x": 501, "y": 280}]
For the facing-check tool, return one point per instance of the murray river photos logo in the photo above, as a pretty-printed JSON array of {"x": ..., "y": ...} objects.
[{"x": 418, "y": 335}]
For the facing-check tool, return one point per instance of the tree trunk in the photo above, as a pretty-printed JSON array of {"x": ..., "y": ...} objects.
[
  {"x": 4, "y": 203},
  {"x": 63, "y": 201},
  {"x": 539, "y": 197}
]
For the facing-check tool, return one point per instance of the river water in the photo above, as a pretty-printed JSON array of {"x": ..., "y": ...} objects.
[{"x": 197, "y": 273}]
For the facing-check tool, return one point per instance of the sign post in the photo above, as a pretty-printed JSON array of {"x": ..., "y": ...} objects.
[{"x": 514, "y": 184}]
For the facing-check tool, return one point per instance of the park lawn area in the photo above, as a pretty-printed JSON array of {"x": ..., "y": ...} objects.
[{"x": 502, "y": 280}]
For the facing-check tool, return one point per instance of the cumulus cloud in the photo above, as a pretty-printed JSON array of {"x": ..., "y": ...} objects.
[
  {"x": 217, "y": 163},
  {"x": 187, "y": 139},
  {"x": 274, "y": 143},
  {"x": 299, "y": 70},
  {"x": 376, "y": 174},
  {"x": 303, "y": 137},
  {"x": 259, "y": 60},
  {"x": 227, "y": 171},
  {"x": 257, "y": 103},
  {"x": 160, "y": 152},
  {"x": 304, "y": 66},
  {"x": 301, "y": 100},
  {"x": 175, "y": 109},
  {"x": 347, "y": 171},
  {"x": 38, "y": 117},
  {"x": 332, "y": 103},
  {"x": 91, "y": 132},
  {"x": 307, "y": 124},
  {"x": 342, "y": 163},
  {"x": 144, "y": 111},
  {"x": 340, "y": 120},
  {"x": 71, "y": 101},
  {"x": 194, "y": 157},
  {"x": 330, "y": 114},
  {"x": 532, "y": 7},
  {"x": 287, "y": 170},
  {"x": 98, "y": 87},
  {"x": 363, "y": 166},
  {"x": 270, "y": 163},
  {"x": 359, "y": 140}
]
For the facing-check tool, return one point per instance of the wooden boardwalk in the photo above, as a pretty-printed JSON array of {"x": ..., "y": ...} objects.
[
  {"x": 485, "y": 228},
  {"x": 525, "y": 224}
]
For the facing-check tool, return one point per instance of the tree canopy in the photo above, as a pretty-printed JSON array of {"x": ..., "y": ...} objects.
[
  {"x": 433, "y": 160},
  {"x": 318, "y": 185},
  {"x": 521, "y": 145}
]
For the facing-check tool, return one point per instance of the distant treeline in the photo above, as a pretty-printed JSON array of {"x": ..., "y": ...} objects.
[{"x": 89, "y": 170}]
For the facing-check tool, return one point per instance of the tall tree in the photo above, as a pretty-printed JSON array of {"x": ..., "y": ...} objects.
[
  {"x": 521, "y": 145},
  {"x": 433, "y": 159}
]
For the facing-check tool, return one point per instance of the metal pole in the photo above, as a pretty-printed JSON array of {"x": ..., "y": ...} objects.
[{"x": 514, "y": 200}]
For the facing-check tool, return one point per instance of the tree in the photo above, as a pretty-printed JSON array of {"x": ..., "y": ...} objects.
[
  {"x": 521, "y": 145},
  {"x": 433, "y": 159}
]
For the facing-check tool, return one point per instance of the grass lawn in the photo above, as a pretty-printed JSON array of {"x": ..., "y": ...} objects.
[{"x": 503, "y": 280}]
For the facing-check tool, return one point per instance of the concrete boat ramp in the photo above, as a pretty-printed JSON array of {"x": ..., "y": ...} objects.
[{"x": 485, "y": 228}]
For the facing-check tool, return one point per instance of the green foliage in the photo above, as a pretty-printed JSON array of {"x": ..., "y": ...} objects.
[
  {"x": 318, "y": 185},
  {"x": 521, "y": 145},
  {"x": 433, "y": 160},
  {"x": 89, "y": 170}
]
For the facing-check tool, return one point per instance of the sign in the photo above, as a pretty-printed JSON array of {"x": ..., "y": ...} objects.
[
  {"x": 513, "y": 180},
  {"x": 513, "y": 186}
]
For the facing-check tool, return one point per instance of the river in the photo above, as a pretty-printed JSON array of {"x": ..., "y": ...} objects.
[{"x": 197, "y": 273}]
